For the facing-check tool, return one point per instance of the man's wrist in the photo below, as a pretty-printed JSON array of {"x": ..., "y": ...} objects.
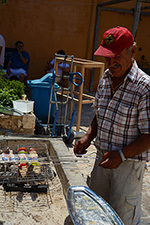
[{"x": 122, "y": 155}]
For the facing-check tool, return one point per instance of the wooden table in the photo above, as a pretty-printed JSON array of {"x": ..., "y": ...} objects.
[{"x": 82, "y": 64}]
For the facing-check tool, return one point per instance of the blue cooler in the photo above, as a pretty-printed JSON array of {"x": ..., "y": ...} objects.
[{"x": 41, "y": 90}]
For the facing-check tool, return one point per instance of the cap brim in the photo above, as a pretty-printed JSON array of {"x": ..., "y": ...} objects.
[{"x": 101, "y": 51}]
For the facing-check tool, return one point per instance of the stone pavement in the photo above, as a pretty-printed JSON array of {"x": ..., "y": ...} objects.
[{"x": 85, "y": 167}]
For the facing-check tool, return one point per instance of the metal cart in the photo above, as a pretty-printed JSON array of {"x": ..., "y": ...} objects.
[{"x": 61, "y": 97}]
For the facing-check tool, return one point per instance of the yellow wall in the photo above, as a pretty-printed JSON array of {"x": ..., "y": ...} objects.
[{"x": 46, "y": 26}]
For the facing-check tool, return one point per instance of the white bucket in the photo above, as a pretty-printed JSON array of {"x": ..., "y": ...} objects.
[{"x": 24, "y": 106}]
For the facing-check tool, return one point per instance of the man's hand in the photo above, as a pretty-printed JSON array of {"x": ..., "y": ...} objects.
[
  {"x": 111, "y": 160},
  {"x": 20, "y": 49},
  {"x": 81, "y": 146}
]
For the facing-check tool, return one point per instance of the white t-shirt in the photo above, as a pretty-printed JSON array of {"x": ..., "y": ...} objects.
[
  {"x": 59, "y": 71},
  {"x": 2, "y": 55}
]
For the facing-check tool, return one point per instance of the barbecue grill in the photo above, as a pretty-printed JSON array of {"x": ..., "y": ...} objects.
[{"x": 38, "y": 177}]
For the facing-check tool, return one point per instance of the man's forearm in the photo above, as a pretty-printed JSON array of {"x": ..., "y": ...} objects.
[
  {"x": 84, "y": 142},
  {"x": 8, "y": 66},
  {"x": 23, "y": 59},
  {"x": 142, "y": 144},
  {"x": 92, "y": 131}
]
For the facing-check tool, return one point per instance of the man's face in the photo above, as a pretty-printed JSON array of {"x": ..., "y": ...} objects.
[
  {"x": 121, "y": 64},
  {"x": 20, "y": 47}
]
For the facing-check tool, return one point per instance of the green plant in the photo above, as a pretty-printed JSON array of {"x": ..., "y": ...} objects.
[{"x": 9, "y": 91}]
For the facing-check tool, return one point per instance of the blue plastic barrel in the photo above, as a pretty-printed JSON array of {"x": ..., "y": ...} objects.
[{"x": 41, "y": 90}]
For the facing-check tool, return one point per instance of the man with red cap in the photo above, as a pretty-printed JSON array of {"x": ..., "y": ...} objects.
[{"x": 121, "y": 127}]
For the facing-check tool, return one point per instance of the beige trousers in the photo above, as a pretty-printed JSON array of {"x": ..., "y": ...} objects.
[{"x": 121, "y": 188}]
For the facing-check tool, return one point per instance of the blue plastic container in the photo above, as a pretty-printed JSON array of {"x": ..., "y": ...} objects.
[{"x": 41, "y": 90}]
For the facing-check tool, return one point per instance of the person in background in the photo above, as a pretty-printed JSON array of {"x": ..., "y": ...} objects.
[
  {"x": 121, "y": 127},
  {"x": 17, "y": 68},
  {"x": 2, "y": 56},
  {"x": 63, "y": 68}
]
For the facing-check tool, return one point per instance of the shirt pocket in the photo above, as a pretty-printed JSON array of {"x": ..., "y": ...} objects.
[
  {"x": 125, "y": 118},
  {"x": 132, "y": 209}
]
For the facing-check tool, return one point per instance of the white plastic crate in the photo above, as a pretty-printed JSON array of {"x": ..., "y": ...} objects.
[{"x": 24, "y": 106}]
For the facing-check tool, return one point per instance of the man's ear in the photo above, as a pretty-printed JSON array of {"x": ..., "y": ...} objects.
[{"x": 133, "y": 51}]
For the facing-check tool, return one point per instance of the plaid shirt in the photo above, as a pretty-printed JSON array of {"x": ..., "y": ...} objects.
[{"x": 121, "y": 118}]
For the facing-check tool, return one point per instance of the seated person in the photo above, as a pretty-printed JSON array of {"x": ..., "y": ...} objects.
[
  {"x": 18, "y": 64},
  {"x": 63, "y": 68}
]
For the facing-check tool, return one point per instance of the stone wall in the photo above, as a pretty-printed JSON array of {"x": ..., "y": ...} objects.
[{"x": 18, "y": 124}]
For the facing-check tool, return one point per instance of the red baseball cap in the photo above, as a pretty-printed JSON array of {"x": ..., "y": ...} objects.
[{"x": 115, "y": 40}]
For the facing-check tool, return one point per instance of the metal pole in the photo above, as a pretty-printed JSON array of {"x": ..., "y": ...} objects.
[
  {"x": 95, "y": 45},
  {"x": 137, "y": 13}
]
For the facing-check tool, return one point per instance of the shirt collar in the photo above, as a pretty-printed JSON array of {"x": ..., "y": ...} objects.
[{"x": 132, "y": 73}]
